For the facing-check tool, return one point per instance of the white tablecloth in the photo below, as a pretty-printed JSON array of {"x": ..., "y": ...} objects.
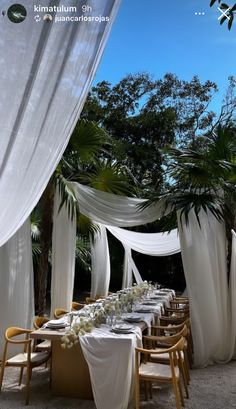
[{"x": 111, "y": 360}]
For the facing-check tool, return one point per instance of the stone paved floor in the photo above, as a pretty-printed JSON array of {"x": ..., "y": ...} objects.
[{"x": 211, "y": 388}]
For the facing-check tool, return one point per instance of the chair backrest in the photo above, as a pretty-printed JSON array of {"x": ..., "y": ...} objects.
[
  {"x": 90, "y": 300},
  {"x": 13, "y": 332},
  {"x": 77, "y": 305},
  {"x": 59, "y": 312},
  {"x": 151, "y": 341},
  {"x": 177, "y": 311},
  {"x": 40, "y": 321},
  {"x": 174, "y": 320}
]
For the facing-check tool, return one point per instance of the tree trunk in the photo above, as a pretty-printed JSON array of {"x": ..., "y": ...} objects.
[{"x": 47, "y": 201}]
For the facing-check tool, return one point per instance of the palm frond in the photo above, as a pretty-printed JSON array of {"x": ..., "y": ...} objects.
[
  {"x": 85, "y": 226},
  {"x": 108, "y": 177},
  {"x": 67, "y": 195},
  {"x": 83, "y": 253},
  {"x": 87, "y": 139}
]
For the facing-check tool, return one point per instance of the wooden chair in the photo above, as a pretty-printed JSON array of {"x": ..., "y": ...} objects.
[
  {"x": 177, "y": 303},
  {"x": 171, "y": 325},
  {"x": 77, "y": 305},
  {"x": 155, "y": 372},
  {"x": 90, "y": 300},
  {"x": 180, "y": 311},
  {"x": 27, "y": 359},
  {"x": 59, "y": 313},
  {"x": 39, "y": 322},
  {"x": 160, "y": 342}
]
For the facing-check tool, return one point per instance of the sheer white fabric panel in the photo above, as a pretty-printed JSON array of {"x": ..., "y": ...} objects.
[
  {"x": 63, "y": 257},
  {"x": 129, "y": 267},
  {"x": 204, "y": 259},
  {"x": 46, "y": 71},
  {"x": 114, "y": 210},
  {"x": 152, "y": 244},
  {"x": 100, "y": 259},
  {"x": 16, "y": 282},
  {"x": 232, "y": 292}
]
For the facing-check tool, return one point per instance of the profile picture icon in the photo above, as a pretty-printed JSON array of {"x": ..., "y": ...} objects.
[
  {"x": 16, "y": 13},
  {"x": 47, "y": 18}
]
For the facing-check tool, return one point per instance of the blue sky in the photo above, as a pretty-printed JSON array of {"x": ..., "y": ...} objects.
[{"x": 162, "y": 36}]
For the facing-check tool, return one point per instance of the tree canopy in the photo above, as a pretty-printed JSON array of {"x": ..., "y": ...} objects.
[{"x": 143, "y": 115}]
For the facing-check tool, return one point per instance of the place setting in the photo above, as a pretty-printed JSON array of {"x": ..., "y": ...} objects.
[{"x": 123, "y": 329}]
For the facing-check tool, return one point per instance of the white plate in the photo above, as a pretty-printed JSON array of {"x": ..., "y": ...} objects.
[
  {"x": 123, "y": 327},
  {"x": 118, "y": 331},
  {"x": 60, "y": 326},
  {"x": 133, "y": 319}
]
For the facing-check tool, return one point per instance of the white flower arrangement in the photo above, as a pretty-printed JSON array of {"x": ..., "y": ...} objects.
[{"x": 94, "y": 315}]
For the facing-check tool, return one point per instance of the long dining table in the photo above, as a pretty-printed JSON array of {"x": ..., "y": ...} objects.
[{"x": 101, "y": 365}]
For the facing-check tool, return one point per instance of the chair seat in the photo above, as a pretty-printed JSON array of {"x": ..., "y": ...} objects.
[
  {"x": 43, "y": 346},
  {"x": 35, "y": 358},
  {"x": 163, "y": 357},
  {"x": 153, "y": 370}
]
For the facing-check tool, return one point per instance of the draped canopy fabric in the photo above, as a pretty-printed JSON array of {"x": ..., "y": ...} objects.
[
  {"x": 46, "y": 70},
  {"x": 152, "y": 244},
  {"x": 204, "y": 259},
  {"x": 16, "y": 282},
  {"x": 232, "y": 292},
  {"x": 115, "y": 210},
  {"x": 63, "y": 257}
]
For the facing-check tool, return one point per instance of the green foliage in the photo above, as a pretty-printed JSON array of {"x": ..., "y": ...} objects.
[
  {"x": 108, "y": 177},
  {"x": 83, "y": 253},
  {"x": 203, "y": 178},
  {"x": 144, "y": 115},
  {"x": 67, "y": 195}
]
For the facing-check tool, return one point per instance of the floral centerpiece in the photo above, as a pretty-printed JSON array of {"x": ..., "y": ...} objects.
[{"x": 93, "y": 315}]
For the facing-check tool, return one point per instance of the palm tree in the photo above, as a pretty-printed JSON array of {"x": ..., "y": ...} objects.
[
  {"x": 202, "y": 178},
  {"x": 84, "y": 160}
]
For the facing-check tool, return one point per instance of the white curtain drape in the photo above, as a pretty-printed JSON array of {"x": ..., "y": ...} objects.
[
  {"x": 63, "y": 257},
  {"x": 46, "y": 70},
  {"x": 232, "y": 292},
  {"x": 113, "y": 210},
  {"x": 129, "y": 267},
  {"x": 152, "y": 244},
  {"x": 204, "y": 260},
  {"x": 100, "y": 260},
  {"x": 16, "y": 282}
]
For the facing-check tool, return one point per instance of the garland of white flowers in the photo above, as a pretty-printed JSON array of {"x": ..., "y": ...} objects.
[{"x": 93, "y": 315}]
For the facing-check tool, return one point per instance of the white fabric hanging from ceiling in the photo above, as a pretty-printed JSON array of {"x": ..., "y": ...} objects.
[
  {"x": 204, "y": 260},
  {"x": 129, "y": 267},
  {"x": 16, "y": 282},
  {"x": 232, "y": 292},
  {"x": 152, "y": 244},
  {"x": 63, "y": 257},
  {"x": 46, "y": 70},
  {"x": 114, "y": 210},
  {"x": 100, "y": 260}
]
